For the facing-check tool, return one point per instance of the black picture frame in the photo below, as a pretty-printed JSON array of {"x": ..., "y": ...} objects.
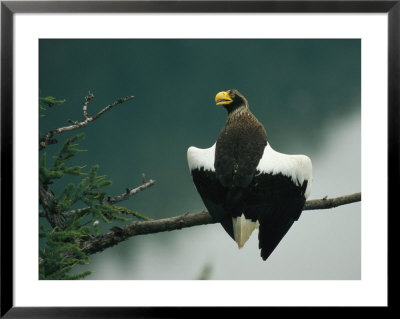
[{"x": 9, "y": 8}]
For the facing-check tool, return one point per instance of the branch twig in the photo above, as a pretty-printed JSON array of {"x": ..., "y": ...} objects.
[
  {"x": 130, "y": 192},
  {"x": 88, "y": 99},
  {"x": 101, "y": 242},
  {"x": 48, "y": 137}
]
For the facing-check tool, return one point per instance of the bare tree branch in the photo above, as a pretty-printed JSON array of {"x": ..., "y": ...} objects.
[
  {"x": 118, "y": 234},
  {"x": 130, "y": 192},
  {"x": 48, "y": 137},
  {"x": 88, "y": 99}
]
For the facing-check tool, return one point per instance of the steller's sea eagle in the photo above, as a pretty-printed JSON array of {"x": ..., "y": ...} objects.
[{"x": 244, "y": 183}]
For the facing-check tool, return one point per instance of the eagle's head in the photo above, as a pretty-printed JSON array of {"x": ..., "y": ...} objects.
[{"x": 231, "y": 100}]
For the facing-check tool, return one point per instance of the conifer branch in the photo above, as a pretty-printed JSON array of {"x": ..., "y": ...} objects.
[
  {"x": 119, "y": 234},
  {"x": 48, "y": 137},
  {"x": 46, "y": 199},
  {"x": 111, "y": 200}
]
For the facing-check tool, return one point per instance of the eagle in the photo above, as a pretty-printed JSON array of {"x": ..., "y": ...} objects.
[{"x": 244, "y": 183}]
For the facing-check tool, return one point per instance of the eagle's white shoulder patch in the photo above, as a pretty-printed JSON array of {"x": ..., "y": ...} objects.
[
  {"x": 297, "y": 167},
  {"x": 201, "y": 158}
]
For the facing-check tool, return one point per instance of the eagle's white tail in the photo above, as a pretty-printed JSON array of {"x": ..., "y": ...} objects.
[{"x": 242, "y": 229}]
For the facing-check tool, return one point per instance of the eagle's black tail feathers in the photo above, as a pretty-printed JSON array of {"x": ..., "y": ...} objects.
[{"x": 271, "y": 233}]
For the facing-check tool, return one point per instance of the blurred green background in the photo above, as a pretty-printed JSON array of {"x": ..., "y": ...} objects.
[{"x": 306, "y": 92}]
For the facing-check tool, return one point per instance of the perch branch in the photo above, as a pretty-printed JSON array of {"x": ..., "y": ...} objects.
[
  {"x": 118, "y": 234},
  {"x": 48, "y": 137},
  {"x": 326, "y": 203}
]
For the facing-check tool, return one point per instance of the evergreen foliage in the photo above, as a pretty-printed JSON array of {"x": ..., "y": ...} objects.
[
  {"x": 78, "y": 208},
  {"x": 48, "y": 101}
]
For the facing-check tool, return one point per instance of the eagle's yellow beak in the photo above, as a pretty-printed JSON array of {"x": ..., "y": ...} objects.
[{"x": 223, "y": 98}]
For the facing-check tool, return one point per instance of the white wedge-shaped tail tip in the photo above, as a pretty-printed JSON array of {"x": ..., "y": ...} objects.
[{"x": 242, "y": 229}]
